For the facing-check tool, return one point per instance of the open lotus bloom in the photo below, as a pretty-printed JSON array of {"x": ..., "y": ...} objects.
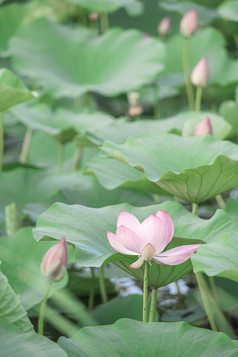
[
  {"x": 204, "y": 127},
  {"x": 148, "y": 239},
  {"x": 189, "y": 23},
  {"x": 55, "y": 261}
]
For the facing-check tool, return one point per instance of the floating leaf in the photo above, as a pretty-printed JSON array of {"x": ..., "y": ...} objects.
[
  {"x": 133, "y": 338},
  {"x": 166, "y": 159},
  {"x": 70, "y": 73}
]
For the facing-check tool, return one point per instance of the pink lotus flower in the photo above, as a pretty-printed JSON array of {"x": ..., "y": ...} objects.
[
  {"x": 148, "y": 239},
  {"x": 189, "y": 23},
  {"x": 200, "y": 74},
  {"x": 55, "y": 261},
  {"x": 164, "y": 26},
  {"x": 204, "y": 127}
]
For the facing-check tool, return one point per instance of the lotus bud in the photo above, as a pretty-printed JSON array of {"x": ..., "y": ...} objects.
[
  {"x": 55, "y": 261},
  {"x": 93, "y": 16},
  {"x": 189, "y": 23},
  {"x": 164, "y": 26},
  {"x": 133, "y": 98},
  {"x": 203, "y": 128},
  {"x": 135, "y": 110},
  {"x": 200, "y": 73}
]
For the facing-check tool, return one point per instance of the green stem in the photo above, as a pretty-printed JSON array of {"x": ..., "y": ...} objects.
[
  {"x": 12, "y": 219},
  {"x": 102, "y": 287},
  {"x": 42, "y": 309},
  {"x": 194, "y": 208},
  {"x": 1, "y": 141},
  {"x": 91, "y": 293},
  {"x": 61, "y": 158},
  {"x": 88, "y": 100},
  {"x": 198, "y": 99},
  {"x": 153, "y": 305},
  {"x": 145, "y": 291},
  {"x": 203, "y": 291},
  {"x": 214, "y": 290},
  {"x": 156, "y": 102},
  {"x": 26, "y": 146},
  {"x": 220, "y": 202},
  {"x": 178, "y": 289},
  {"x": 78, "y": 158},
  {"x": 104, "y": 22},
  {"x": 186, "y": 69}
]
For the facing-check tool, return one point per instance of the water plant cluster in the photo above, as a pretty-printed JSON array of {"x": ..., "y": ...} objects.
[{"x": 118, "y": 178}]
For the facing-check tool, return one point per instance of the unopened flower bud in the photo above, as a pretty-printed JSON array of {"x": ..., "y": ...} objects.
[
  {"x": 203, "y": 128},
  {"x": 55, "y": 261},
  {"x": 164, "y": 26},
  {"x": 133, "y": 98},
  {"x": 189, "y": 23},
  {"x": 93, "y": 16},
  {"x": 135, "y": 110},
  {"x": 200, "y": 73}
]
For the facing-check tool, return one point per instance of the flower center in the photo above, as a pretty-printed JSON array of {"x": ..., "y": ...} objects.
[{"x": 148, "y": 252}]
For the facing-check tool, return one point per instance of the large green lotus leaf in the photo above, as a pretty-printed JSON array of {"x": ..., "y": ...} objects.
[
  {"x": 11, "y": 309},
  {"x": 229, "y": 111},
  {"x": 133, "y": 7},
  {"x": 93, "y": 248},
  {"x": 219, "y": 257},
  {"x": 205, "y": 14},
  {"x": 133, "y": 338},
  {"x": 21, "y": 258},
  {"x": 232, "y": 207},
  {"x": 12, "y": 90},
  {"x": 167, "y": 160},
  {"x": 112, "y": 174},
  {"x": 206, "y": 42},
  {"x": 228, "y": 10},
  {"x": 81, "y": 66},
  {"x": 14, "y": 343}
]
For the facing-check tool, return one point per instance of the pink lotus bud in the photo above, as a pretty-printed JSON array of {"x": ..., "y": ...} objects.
[
  {"x": 204, "y": 127},
  {"x": 164, "y": 26},
  {"x": 200, "y": 73},
  {"x": 146, "y": 35},
  {"x": 135, "y": 110},
  {"x": 189, "y": 23},
  {"x": 55, "y": 261},
  {"x": 93, "y": 16}
]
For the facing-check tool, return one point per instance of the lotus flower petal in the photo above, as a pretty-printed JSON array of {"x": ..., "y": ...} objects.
[
  {"x": 176, "y": 255},
  {"x": 117, "y": 245},
  {"x": 165, "y": 217},
  {"x": 128, "y": 220},
  {"x": 154, "y": 231},
  {"x": 129, "y": 239},
  {"x": 137, "y": 264}
]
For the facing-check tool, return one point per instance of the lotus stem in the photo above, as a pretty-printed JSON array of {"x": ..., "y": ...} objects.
[
  {"x": 198, "y": 99},
  {"x": 153, "y": 305},
  {"x": 104, "y": 22},
  {"x": 186, "y": 69},
  {"x": 42, "y": 309},
  {"x": 26, "y": 146},
  {"x": 88, "y": 100},
  {"x": 156, "y": 102},
  {"x": 203, "y": 291},
  {"x": 178, "y": 289},
  {"x": 220, "y": 202},
  {"x": 145, "y": 291},
  {"x": 1, "y": 141},
  {"x": 194, "y": 208},
  {"x": 61, "y": 158},
  {"x": 102, "y": 286},
  {"x": 78, "y": 158},
  {"x": 214, "y": 290},
  {"x": 91, "y": 293},
  {"x": 12, "y": 219}
]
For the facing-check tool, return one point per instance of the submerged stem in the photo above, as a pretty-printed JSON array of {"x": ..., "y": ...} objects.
[
  {"x": 102, "y": 287},
  {"x": 145, "y": 291},
  {"x": 42, "y": 309},
  {"x": 186, "y": 69},
  {"x": 153, "y": 305}
]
